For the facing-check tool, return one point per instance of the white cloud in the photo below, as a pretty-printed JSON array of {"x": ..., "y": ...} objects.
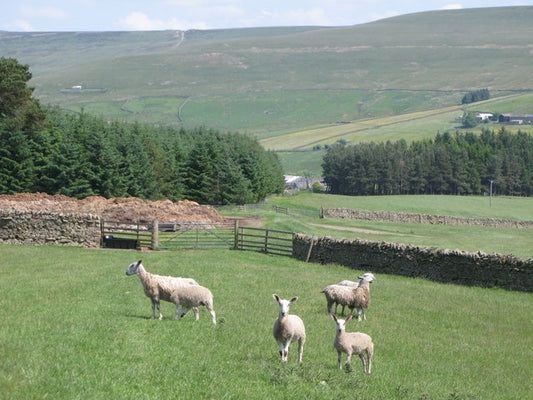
[
  {"x": 139, "y": 21},
  {"x": 19, "y": 25},
  {"x": 456, "y": 6}
]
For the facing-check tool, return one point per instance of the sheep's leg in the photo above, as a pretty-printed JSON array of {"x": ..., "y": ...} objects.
[
  {"x": 344, "y": 305},
  {"x": 196, "y": 313},
  {"x": 359, "y": 313},
  {"x": 301, "y": 342},
  {"x": 212, "y": 312},
  {"x": 363, "y": 360},
  {"x": 156, "y": 306},
  {"x": 180, "y": 312},
  {"x": 348, "y": 358},
  {"x": 284, "y": 349},
  {"x": 370, "y": 353},
  {"x": 339, "y": 358}
]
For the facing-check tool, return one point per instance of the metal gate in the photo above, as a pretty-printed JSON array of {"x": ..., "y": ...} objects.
[{"x": 196, "y": 236}]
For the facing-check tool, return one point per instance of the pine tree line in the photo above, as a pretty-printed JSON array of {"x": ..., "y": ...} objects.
[
  {"x": 458, "y": 164},
  {"x": 82, "y": 155}
]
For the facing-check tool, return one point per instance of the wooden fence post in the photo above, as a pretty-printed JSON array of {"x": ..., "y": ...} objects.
[
  {"x": 310, "y": 249},
  {"x": 236, "y": 234},
  {"x": 155, "y": 234}
]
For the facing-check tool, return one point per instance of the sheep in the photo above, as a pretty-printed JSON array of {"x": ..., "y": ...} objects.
[
  {"x": 352, "y": 342},
  {"x": 351, "y": 284},
  {"x": 158, "y": 287},
  {"x": 358, "y": 297},
  {"x": 193, "y": 296},
  {"x": 288, "y": 328}
]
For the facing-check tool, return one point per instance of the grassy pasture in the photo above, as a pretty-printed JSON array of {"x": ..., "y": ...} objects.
[
  {"x": 410, "y": 126},
  {"x": 304, "y": 217},
  {"x": 75, "y": 326}
]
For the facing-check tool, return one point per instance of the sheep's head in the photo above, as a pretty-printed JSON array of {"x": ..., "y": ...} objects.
[
  {"x": 133, "y": 267},
  {"x": 367, "y": 277},
  {"x": 341, "y": 323},
  {"x": 284, "y": 304}
]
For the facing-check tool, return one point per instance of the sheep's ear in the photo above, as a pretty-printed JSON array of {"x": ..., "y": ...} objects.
[
  {"x": 138, "y": 262},
  {"x": 333, "y": 317},
  {"x": 349, "y": 317},
  {"x": 293, "y": 300},
  {"x": 276, "y": 297}
]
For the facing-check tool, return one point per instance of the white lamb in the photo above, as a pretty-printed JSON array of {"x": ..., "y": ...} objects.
[
  {"x": 188, "y": 297},
  {"x": 158, "y": 287},
  {"x": 353, "y": 342},
  {"x": 288, "y": 328},
  {"x": 353, "y": 297}
]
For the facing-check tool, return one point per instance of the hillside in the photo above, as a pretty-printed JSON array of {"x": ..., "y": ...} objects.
[{"x": 271, "y": 82}]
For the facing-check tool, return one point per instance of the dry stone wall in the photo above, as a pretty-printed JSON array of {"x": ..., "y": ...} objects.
[
  {"x": 421, "y": 218},
  {"x": 43, "y": 227},
  {"x": 451, "y": 266}
]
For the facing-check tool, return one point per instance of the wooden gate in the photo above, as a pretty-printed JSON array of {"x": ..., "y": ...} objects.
[
  {"x": 126, "y": 235},
  {"x": 264, "y": 240}
]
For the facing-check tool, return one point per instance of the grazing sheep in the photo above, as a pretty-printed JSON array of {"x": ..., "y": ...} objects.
[
  {"x": 353, "y": 297},
  {"x": 352, "y": 342},
  {"x": 158, "y": 287},
  {"x": 188, "y": 297},
  {"x": 288, "y": 328}
]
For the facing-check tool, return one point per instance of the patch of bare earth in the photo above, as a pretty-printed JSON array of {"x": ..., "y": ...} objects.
[{"x": 122, "y": 209}]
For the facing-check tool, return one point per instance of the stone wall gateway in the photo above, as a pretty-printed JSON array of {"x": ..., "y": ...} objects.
[
  {"x": 43, "y": 227},
  {"x": 442, "y": 265}
]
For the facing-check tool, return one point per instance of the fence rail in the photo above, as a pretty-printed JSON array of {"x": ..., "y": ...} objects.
[
  {"x": 264, "y": 240},
  {"x": 174, "y": 236},
  {"x": 126, "y": 235}
]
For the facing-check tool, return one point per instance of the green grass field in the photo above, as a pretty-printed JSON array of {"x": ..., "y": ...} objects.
[
  {"x": 304, "y": 218},
  {"x": 75, "y": 326}
]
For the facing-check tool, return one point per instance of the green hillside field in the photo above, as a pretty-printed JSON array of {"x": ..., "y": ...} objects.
[{"x": 289, "y": 86}]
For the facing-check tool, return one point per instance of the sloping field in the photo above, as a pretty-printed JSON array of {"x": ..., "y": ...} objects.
[{"x": 353, "y": 132}]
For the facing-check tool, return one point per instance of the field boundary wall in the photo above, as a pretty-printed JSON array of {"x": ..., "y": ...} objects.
[
  {"x": 421, "y": 218},
  {"x": 442, "y": 265},
  {"x": 50, "y": 228}
]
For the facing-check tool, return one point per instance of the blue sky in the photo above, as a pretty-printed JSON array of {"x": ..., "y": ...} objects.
[{"x": 113, "y": 15}]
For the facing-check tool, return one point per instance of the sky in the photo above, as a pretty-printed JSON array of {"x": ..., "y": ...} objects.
[{"x": 138, "y": 15}]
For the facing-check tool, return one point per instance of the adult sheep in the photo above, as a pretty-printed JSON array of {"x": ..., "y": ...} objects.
[
  {"x": 353, "y": 297},
  {"x": 158, "y": 287}
]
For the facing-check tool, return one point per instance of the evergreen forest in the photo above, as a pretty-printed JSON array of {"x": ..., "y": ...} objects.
[
  {"x": 454, "y": 164},
  {"x": 79, "y": 155}
]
